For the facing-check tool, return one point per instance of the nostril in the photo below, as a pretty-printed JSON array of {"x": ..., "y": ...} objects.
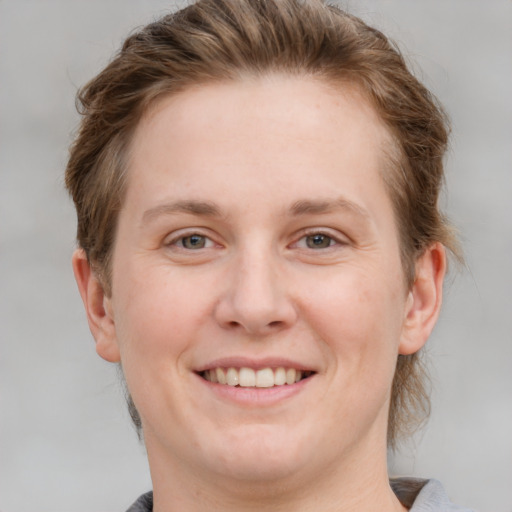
[{"x": 233, "y": 324}]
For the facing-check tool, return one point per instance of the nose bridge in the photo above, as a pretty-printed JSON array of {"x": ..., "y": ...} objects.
[{"x": 257, "y": 298}]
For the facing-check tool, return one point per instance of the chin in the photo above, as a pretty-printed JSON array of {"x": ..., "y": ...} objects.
[{"x": 261, "y": 453}]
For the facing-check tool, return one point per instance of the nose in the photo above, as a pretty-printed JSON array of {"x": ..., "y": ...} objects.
[{"x": 256, "y": 299}]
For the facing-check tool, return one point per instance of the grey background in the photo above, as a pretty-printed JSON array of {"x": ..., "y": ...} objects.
[{"x": 65, "y": 440}]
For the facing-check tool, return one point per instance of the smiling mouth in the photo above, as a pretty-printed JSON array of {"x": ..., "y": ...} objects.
[{"x": 249, "y": 378}]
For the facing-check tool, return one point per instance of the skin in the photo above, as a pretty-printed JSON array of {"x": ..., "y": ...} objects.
[{"x": 257, "y": 169}]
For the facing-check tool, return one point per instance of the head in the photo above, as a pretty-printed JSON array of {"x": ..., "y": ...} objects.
[{"x": 235, "y": 41}]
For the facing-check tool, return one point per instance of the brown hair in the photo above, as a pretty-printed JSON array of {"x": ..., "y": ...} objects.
[{"x": 219, "y": 40}]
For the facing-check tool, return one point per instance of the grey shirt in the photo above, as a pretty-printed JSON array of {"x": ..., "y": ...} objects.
[
  {"x": 417, "y": 495},
  {"x": 424, "y": 495}
]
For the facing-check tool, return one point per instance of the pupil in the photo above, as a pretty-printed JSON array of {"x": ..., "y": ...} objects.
[
  {"x": 194, "y": 242},
  {"x": 316, "y": 241}
]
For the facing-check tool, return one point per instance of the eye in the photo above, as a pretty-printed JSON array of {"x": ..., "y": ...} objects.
[
  {"x": 192, "y": 242},
  {"x": 318, "y": 241}
]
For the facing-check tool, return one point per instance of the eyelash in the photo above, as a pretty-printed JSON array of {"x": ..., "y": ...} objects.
[
  {"x": 332, "y": 240},
  {"x": 179, "y": 242}
]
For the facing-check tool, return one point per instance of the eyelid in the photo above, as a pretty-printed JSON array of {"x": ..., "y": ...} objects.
[
  {"x": 173, "y": 238},
  {"x": 336, "y": 236}
]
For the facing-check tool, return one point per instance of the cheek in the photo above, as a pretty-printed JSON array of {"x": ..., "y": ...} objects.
[
  {"x": 359, "y": 317},
  {"x": 157, "y": 321},
  {"x": 357, "y": 324},
  {"x": 158, "y": 315}
]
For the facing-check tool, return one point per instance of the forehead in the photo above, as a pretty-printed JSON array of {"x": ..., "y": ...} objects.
[
  {"x": 271, "y": 131},
  {"x": 300, "y": 106}
]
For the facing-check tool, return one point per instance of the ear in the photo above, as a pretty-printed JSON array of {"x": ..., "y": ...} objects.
[
  {"x": 424, "y": 299},
  {"x": 98, "y": 308}
]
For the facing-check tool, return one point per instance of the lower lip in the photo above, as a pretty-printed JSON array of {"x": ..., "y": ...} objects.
[{"x": 252, "y": 396}]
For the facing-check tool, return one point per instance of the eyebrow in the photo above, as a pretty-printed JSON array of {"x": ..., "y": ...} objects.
[
  {"x": 317, "y": 207},
  {"x": 210, "y": 209},
  {"x": 203, "y": 208}
]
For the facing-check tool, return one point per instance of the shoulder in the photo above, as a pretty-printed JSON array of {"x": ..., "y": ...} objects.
[
  {"x": 424, "y": 495},
  {"x": 143, "y": 504}
]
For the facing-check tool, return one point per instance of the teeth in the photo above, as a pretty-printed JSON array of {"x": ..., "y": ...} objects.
[
  {"x": 221, "y": 376},
  {"x": 279, "y": 376},
  {"x": 249, "y": 378},
  {"x": 232, "y": 377},
  {"x": 265, "y": 378}
]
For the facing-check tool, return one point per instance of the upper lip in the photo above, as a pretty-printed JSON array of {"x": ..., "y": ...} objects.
[{"x": 254, "y": 363}]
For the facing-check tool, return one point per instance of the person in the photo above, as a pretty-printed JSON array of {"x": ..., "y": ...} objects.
[{"x": 261, "y": 251}]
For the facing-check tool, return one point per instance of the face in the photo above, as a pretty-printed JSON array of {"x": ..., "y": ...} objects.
[{"x": 258, "y": 300}]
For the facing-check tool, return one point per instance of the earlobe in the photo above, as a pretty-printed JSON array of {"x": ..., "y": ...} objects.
[
  {"x": 424, "y": 299},
  {"x": 98, "y": 308}
]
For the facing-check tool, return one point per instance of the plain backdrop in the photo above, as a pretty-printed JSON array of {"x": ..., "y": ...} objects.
[{"x": 66, "y": 443}]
